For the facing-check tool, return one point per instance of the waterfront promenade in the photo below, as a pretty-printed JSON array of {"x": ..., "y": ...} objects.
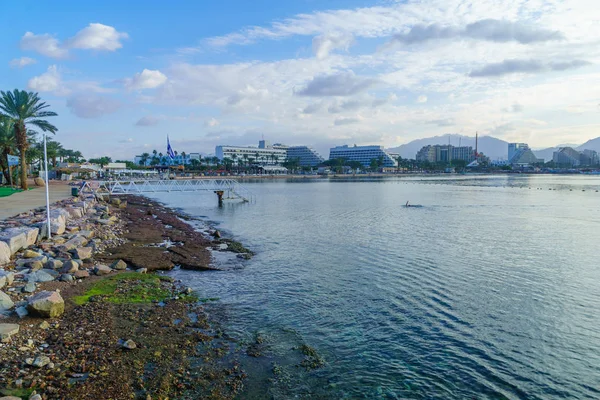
[{"x": 34, "y": 198}]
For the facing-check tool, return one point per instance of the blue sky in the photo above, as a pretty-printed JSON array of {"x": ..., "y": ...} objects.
[{"x": 123, "y": 75}]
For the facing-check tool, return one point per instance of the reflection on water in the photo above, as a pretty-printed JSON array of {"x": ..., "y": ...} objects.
[{"x": 491, "y": 290}]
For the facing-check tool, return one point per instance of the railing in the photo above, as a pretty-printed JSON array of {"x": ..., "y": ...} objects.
[{"x": 232, "y": 189}]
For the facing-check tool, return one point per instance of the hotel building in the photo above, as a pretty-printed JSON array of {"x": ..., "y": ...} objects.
[
  {"x": 307, "y": 157},
  {"x": 362, "y": 154}
]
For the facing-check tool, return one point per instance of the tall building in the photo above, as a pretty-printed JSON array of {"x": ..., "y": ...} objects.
[
  {"x": 266, "y": 155},
  {"x": 520, "y": 154},
  {"x": 362, "y": 154},
  {"x": 445, "y": 153},
  {"x": 567, "y": 156},
  {"x": 590, "y": 157},
  {"x": 307, "y": 157}
]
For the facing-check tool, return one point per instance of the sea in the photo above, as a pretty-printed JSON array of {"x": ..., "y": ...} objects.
[{"x": 486, "y": 287}]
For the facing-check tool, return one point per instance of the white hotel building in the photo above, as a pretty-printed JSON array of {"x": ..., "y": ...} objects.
[
  {"x": 264, "y": 154},
  {"x": 362, "y": 154}
]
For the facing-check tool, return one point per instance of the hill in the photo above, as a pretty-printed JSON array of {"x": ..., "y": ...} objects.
[
  {"x": 488, "y": 145},
  {"x": 592, "y": 144}
]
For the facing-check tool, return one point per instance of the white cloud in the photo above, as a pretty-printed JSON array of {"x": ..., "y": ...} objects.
[
  {"x": 324, "y": 44},
  {"x": 147, "y": 79},
  {"x": 21, "y": 62},
  {"x": 340, "y": 84},
  {"x": 45, "y": 44},
  {"x": 49, "y": 81},
  {"x": 92, "y": 106},
  {"x": 422, "y": 99},
  {"x": 93, "y": 37},
  {"x": 97, "y": 37}
]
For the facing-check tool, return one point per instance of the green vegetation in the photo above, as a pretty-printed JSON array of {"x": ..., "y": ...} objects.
[
  {"x": 6, "y": 191},
  {"x": 24, "y": 109},
  {"x": 130, "y": 287},
  {"x": 23, "y": 393},
  {"x": 312, "y": 359}
]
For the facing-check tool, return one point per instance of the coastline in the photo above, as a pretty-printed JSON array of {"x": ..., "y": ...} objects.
[{"x": 85, "y": 351}]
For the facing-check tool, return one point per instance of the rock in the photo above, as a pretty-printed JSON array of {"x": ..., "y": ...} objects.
[
  {"x": 22, "y": 312},
  {"x": 10, "y": 277},
  {"x": 10, "y": 398},
  {"x": 141, "y": 270},
  {"x": 46, "y": 304},
  {"x": 44, "y": 325},
  {"x": 82, "y": 253},
  {"x": 2, "y": 281},
  {"x": 34, "y": 266},
  {"x": 6, "y": 302},
  {"x": 41, "y": 361},
  {"x": 81, "y": 274},
  {"x": 53, "y": 264},
  {"x": 217, "y": 234},
  {"x": 69, "y": 267},
  {"x": 29, "y": 287},
  {"x": 101, "y": 269},
  {"x": 115, "y": 201},
  {"x": 5, "y": 253},
  {"x": 86, "y": 234},
  {"x": 30, "y": 254},
  {"x": 119, "y": 265},
  {"x": 35, "y": 396},
  {"x": 41, "y": 276},
  {"x": 127, "y": 344},
  {"x": 75, "y": 212},
  {"x": 15, "y": 238},
  {"x": 66, "y": 278},
  {"x": 123, "y": 204},
  {"x": 71, "y": 244},
  {"x": 39, "y": 181},
  {"x": 8, "y": 330}
]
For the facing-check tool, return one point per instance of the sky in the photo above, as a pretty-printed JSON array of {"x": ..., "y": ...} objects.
[{"x": 122, "y": 75}]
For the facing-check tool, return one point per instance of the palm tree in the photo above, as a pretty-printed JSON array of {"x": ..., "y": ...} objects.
[
  {"x": 25, "y": 108},
  {"x": 144, "y": 158},
  {"x": 7, "y": 144}
]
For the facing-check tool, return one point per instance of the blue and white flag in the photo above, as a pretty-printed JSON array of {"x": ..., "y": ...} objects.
[{"x": 170, "y": 149}]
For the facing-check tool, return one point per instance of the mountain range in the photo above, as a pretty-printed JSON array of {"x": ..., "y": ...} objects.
[{"x": 492, "y": 147}]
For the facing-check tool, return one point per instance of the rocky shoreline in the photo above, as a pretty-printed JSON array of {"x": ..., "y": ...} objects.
[{"x": 82, "y": 316}]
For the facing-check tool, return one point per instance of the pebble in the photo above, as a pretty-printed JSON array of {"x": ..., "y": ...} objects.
[{"x": 127, "y": 344}]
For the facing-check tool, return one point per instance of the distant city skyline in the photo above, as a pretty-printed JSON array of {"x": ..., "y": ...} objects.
[{"x": 306, "y": 73}]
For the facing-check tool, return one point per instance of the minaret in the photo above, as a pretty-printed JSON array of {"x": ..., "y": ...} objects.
[{"x": 476, "y": 152}]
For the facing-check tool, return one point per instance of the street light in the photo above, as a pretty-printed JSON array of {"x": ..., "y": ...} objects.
[{"x": 47, "y": 189}]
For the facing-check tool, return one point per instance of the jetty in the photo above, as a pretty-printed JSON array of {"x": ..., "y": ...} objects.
[{"x": 224, "y": 188}]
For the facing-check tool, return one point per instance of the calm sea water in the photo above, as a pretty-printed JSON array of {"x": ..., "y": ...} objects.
[{"x": 490, "y": 290}]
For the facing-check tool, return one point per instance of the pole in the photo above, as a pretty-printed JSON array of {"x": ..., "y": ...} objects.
[{"x": 47, "y": 189}]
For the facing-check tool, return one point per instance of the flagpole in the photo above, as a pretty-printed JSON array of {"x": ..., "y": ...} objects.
[{"x": 47, "y": 189}]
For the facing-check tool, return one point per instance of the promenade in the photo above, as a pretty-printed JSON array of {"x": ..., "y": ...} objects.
[{"x": 34, "y": 198}]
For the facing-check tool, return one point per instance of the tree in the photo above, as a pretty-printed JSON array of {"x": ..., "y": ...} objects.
[
  {"x": 7, "y": 144},
  {"x": 102, "y": 161},
  {"x": 144, "y": 158},
  {"x": 399, "y": 161},
  {"x": 354, "y": 165},
  {"x": 374, "y": 164},
  {"x": 25, "y": 108}
]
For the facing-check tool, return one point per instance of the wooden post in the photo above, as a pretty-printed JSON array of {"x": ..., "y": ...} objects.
[{"x": 220, "y": 196}]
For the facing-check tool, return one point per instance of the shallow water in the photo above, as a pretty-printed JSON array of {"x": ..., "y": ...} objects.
[{"x": 490, "y": 290}]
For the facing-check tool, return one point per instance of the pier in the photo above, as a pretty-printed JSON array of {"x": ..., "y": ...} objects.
[{"x": 231, "y": 189}]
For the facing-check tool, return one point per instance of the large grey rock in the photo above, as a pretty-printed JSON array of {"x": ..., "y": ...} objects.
[
  {"x": 71, "y": 244},
  {"x": 53, "y": 264},
  {"x": 86, "y": 234},
  {"x": 27, "y": 262},
  {"x": 6, "y": 331},
  {"x": 119, "y": 265},
  {"x": 82, "y": 273},
  {"x": 15, "y": 238},
  {"x": 2, "y": 281},
  {"x": 22, "y": 312},
  {"x": 75, "y": 212},
  {"x": 34, "y": 266},
  {"x": 102, "y": 270},
  {"x": 58, "y": 222},
  {"x": 29, "y": 287},
  {"x": 5, "y": 253},
  {"x": 10, "y": 277},
  {"x": 83, "y": 253},
  {"x": 40, "y": 276},
  {"x": 66, "y": 278},
  {"x": 31, "y": 234},
  {"x": 46, "y": 304},
  {"x": 69, "y": 267},
  {"x": 30, "y": 254},
  {"x": 6, "y": 302}
]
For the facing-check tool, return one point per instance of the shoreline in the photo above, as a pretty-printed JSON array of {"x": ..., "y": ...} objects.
[{"x": 83, "y": 353}]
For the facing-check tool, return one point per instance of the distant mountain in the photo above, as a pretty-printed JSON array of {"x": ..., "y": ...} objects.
[
  {"x": 592, "y": 144},
  {"x": 546, "y": 154},
  {"x": 490, "y": 146}
]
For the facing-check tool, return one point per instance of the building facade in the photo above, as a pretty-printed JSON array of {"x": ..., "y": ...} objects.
[
  {"x": 306, "y": 156},
  {"x": 519, "y": 154},
  {"x": 445, "y": 153},
  {"x": 266, "y": 155},
  {"x": 362, "y": 154},
  {"x": 567, "y": 156}
]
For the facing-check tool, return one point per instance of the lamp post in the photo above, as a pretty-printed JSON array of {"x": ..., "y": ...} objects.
[{"x": 47, "y": 189}]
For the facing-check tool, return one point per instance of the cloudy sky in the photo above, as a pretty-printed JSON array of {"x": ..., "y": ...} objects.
[{"x": 124, "y": 74}]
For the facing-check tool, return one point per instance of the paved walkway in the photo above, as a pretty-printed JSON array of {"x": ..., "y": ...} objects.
[{"x": 25, "y": 201}]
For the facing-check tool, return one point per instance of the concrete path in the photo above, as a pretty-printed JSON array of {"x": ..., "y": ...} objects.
[{"x": 25, "y": 201}]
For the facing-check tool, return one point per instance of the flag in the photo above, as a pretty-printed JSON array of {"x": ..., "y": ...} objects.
[{"x": 170, "y": 149}]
